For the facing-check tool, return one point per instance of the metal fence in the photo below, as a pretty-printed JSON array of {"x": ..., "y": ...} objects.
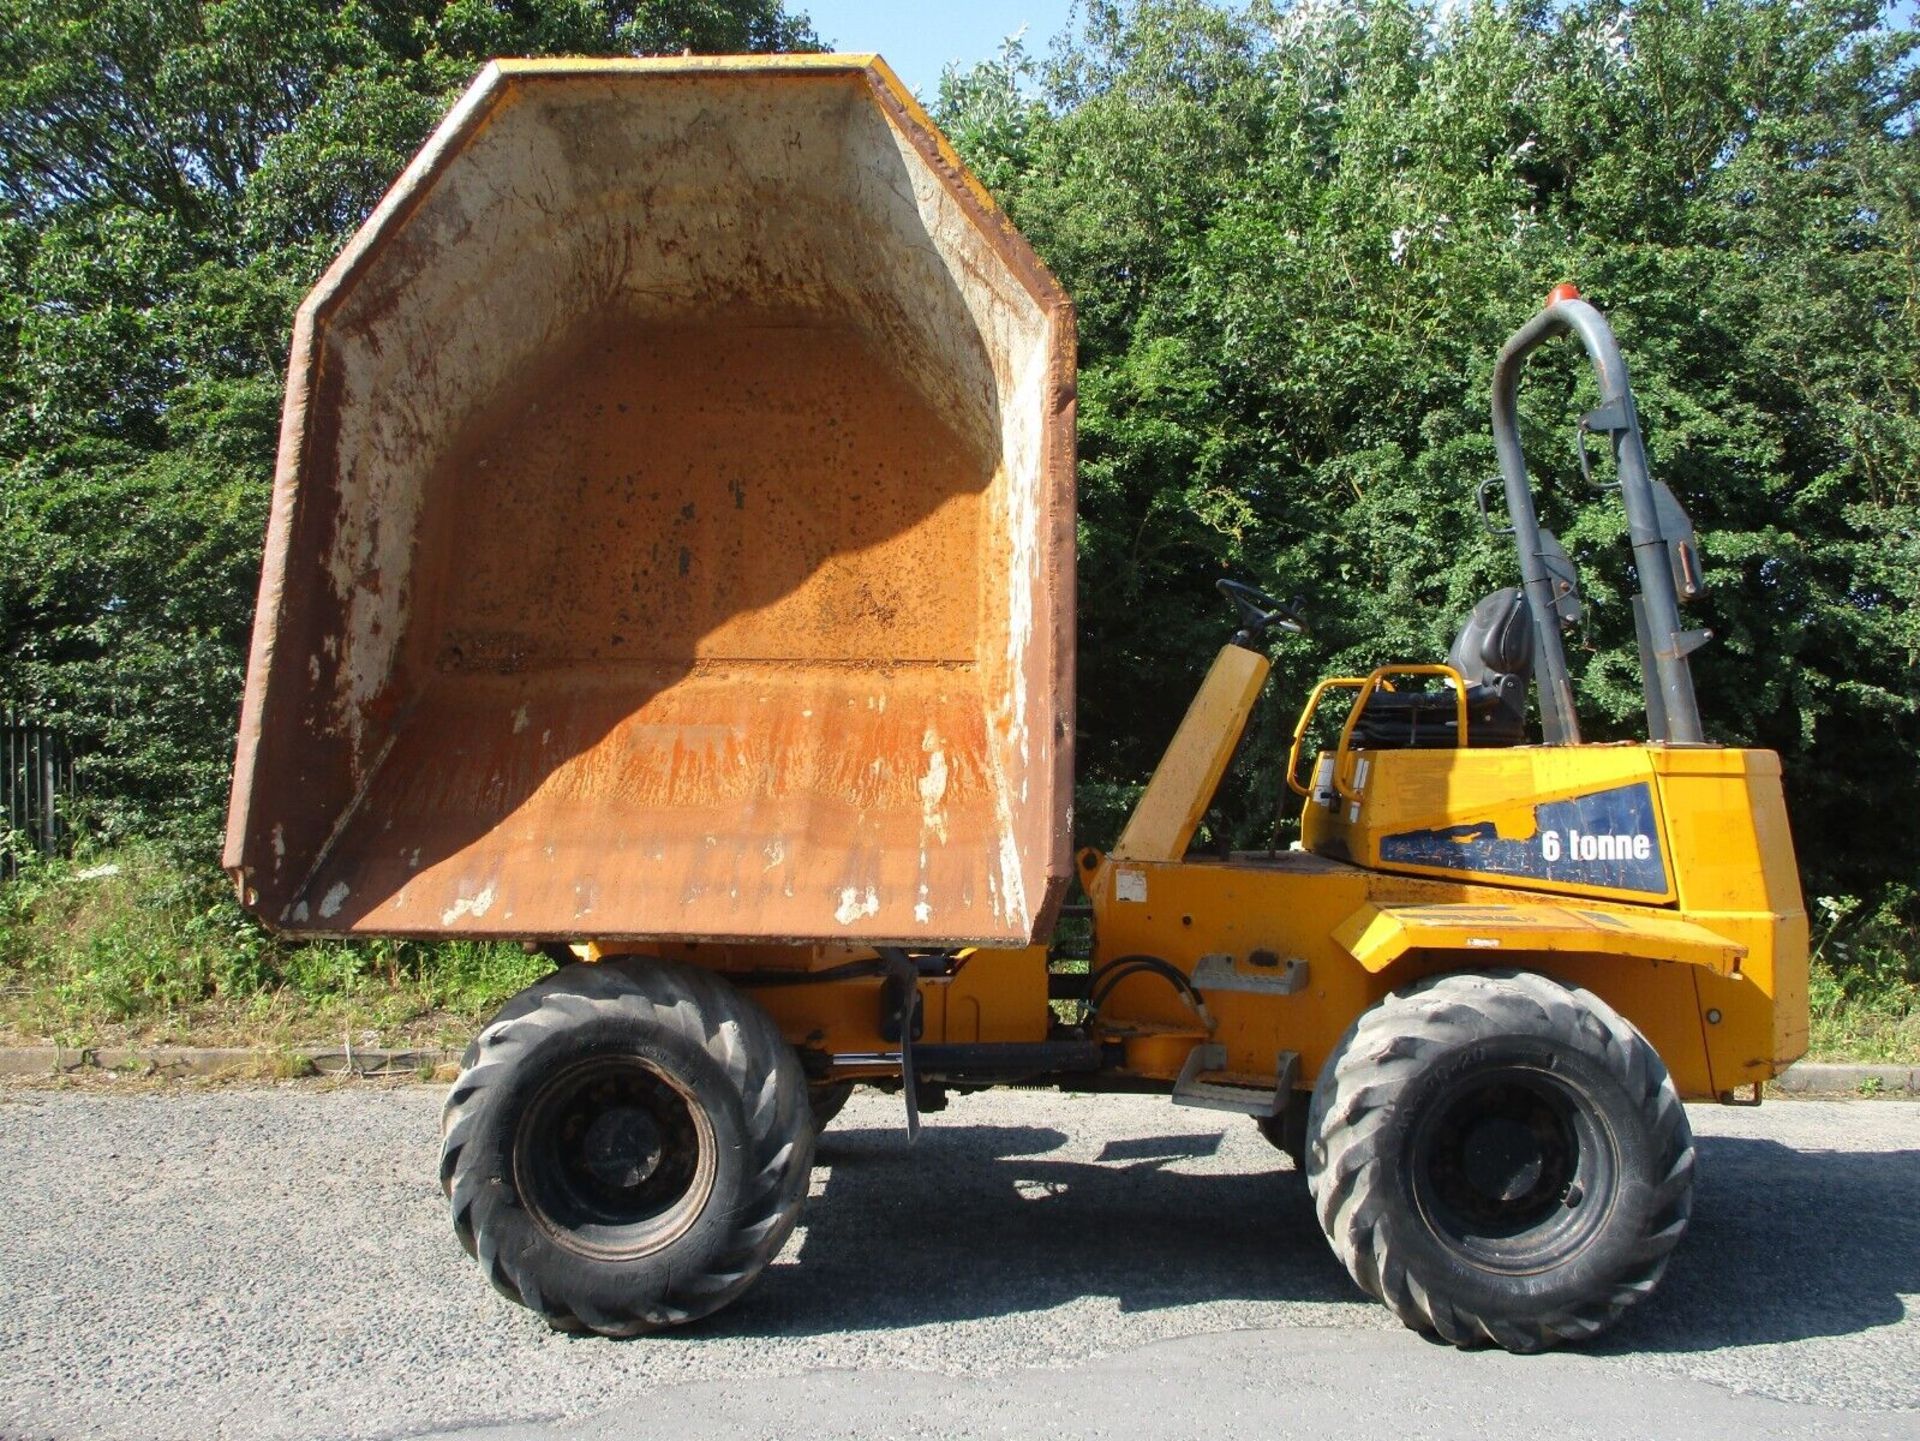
[{"x": 36, "y": 787}]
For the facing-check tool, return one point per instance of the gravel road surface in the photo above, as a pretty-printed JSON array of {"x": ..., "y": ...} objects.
[{"x": 263, "y": 1263}]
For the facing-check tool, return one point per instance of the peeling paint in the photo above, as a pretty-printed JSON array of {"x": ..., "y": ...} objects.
[
  {"x": 540, "y": 243},
  {"x": 854, "y": 906},
  {"x": 475, "y": 905},
  {"x": 335, "y": 898},
  {"x": 1012, "y": 887},
  {"x": 933, "y": 788}
]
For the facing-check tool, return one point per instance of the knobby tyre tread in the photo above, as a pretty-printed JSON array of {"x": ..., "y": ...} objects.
[
  {"x": 827, "y": 1101},
  {"x": 1358, "y": 1134},
  {"x": 746, "y": 1074}
]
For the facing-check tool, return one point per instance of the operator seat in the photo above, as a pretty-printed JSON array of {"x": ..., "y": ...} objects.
[{"x": 1494, "y": 655}]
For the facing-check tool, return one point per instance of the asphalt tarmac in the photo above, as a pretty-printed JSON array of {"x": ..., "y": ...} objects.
[{"x": 276, "y": 1262}]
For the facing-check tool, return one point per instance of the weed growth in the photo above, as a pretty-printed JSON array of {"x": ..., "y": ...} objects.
[
  {"x": 134, "y": 945},
  {"x": 1864, "y": 993}
]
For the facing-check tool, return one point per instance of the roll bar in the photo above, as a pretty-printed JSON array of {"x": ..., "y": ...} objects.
[{"x": 1673, "y": 714}]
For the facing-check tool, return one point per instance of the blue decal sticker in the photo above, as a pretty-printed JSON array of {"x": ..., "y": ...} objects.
[{"x": 1605, "y": 839}]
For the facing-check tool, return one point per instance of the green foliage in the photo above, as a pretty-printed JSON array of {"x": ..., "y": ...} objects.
[
  {"x": 1864, "y": 994},
  {"x": 1298, "y": 235},
  {"x": 173, "y": 176},
  {"x": 133, "y": 942}
]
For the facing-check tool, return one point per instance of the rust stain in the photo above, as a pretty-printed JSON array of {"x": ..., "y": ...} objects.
[
  {"x": 742, "y": 490},
  {"x": 732, "y": 605}
]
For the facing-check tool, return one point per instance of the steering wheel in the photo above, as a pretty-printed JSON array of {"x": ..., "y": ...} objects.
[{"x": 1258, "y": 611}]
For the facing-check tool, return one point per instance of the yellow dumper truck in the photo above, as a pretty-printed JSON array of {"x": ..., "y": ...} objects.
[{"x": 672, "y": 565}]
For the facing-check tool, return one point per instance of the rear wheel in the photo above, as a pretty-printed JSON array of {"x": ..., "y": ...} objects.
[
  {"x": 1500, "y": 1158},
  {"x": 826, "y": 1099},
  {"x": 627, "y": 1146},
  {"x": 1286, "y": 1131}
]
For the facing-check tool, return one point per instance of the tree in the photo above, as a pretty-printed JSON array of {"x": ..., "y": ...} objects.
[
  {"x": 173, "y": 175},
  {"x": 1297, "y": 236}
]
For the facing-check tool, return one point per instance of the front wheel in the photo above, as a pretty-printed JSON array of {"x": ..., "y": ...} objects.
[
  {"x": 1499, "y": 1157},
  {"x": 627, "y": 1146}
]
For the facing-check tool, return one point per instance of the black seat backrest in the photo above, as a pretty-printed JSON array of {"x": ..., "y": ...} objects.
[{"x": 1496, "y": 641}]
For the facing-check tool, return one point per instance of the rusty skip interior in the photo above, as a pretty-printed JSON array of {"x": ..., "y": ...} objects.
[{"x": 673, "y": 533}]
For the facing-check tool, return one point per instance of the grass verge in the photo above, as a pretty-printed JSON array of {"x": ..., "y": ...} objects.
[
  {"x": 1864, "y": 991},
  {"x": 132, "y": 948}
]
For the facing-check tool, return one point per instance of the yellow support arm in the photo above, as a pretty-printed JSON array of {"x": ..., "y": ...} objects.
[{"x": 1162, "y": 825}]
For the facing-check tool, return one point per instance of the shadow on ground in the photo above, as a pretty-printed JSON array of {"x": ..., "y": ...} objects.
[
  {"x": 983, "y": 1221},
  {"x": 979, "y": 1222},
  {"x": 1785, "y": 1245}
]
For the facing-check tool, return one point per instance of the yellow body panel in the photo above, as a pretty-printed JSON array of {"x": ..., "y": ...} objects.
[
  {"x": 1718, "y": 853},
  {"x": 1377, "y": 936},
  {"x": 1298, "y": 905},
  {"x": 1734, "y": 863},
  {"x": 1426, "y": 812},
  {"x": 992, "y": 995},
  {"x": 1662, "y": 879}
]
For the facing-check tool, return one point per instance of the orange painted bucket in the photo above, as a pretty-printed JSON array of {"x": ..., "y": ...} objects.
[{"x": 673, "y": 532}]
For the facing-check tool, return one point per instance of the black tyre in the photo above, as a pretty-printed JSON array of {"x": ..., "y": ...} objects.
[
  {"x": 1499, "y": 1157},
  {"x": 627, "y": 1146},
  {"x": 1287, "y": 1131},
  {"x": 825, "y": 1101}
]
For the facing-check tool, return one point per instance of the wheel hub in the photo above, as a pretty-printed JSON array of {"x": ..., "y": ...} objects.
[
  {"x": 623, "y": 1147},
  {"x": 1502, "y": 1165},
  {"x": 1502, "y": 1159},
  {"x": 614, "y": 1158}
]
